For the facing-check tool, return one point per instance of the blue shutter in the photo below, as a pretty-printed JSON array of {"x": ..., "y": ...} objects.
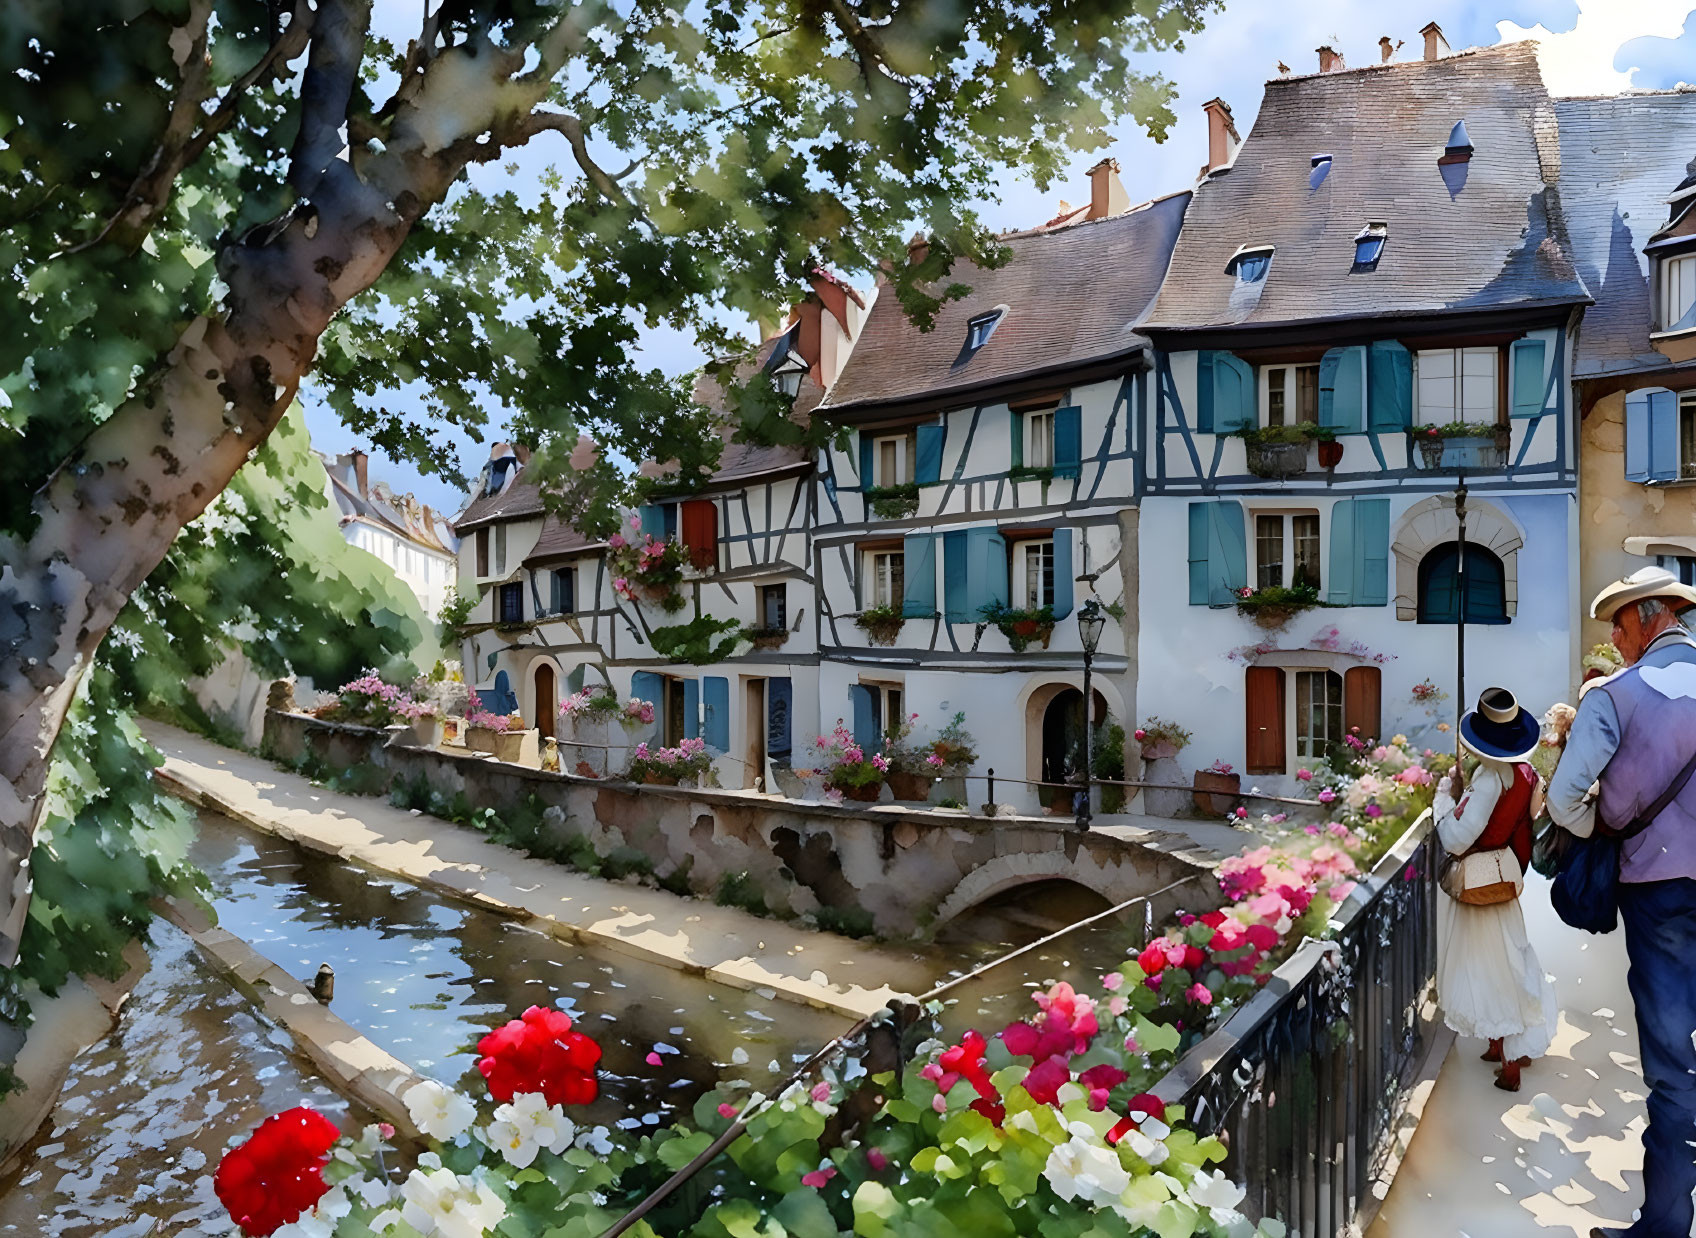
[
  {"x": 867, "y": 733},
  {"x": 954, "y": 578},
  {"x": 1390, "y": 378},
  {"x": 1204, "y": 392},
  {"x": 1527, "y": 378},
  {"x": 928, "y": 464},
  {"x": 1342, "y": 389},
  {"x": 505, "y": 700},
  {"x": 691, "y": 709},
  {"x": 865, "y": 459},
  {"x": 1068, "y": 441},
  {"x": 1016, "y": 447},
  {"x": 1341, "y": 588},
  {"x": 1062, "y": 573},
  {"x": 1227, "y": 552},
  {"x": 1228, "y": 396},
  {"x": 1371, "y": 552},
  {"x": 644, "y": 686},
  {"x": 1663, "y": 435},
  {"x": 918, "y": 575},
  {"x": 715, "y": 697},
  {"x": 652, "y": 516},
  {"x": 780, "y": 703},
  {"x": 1199, "y": 522},
  {"x": 986, "y": 570},
  {"x": 1637, "y": 436}
]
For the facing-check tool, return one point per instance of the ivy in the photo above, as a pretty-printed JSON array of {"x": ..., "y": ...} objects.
[{"x": 698, "y": 640}]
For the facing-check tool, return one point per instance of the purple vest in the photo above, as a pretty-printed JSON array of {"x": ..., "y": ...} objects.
[{"x": 1657, "y": 736}]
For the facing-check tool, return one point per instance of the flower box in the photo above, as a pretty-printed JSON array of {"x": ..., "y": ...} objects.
[
  {"x": 1216, "y": 793},
  {"x": 881, "y": 624},
  {"x": 1277, "y": 459},
  {"x": 1452, "y": 451},
  {"x": 517, "y": 747},
  {"x": 912, "y": 787},
  {"x": 866, "y": 793}
]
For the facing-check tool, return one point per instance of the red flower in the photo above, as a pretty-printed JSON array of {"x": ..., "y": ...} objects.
[
  {"x": 1153, "y": 959},
  {"x": 1193, "y": 958},
  {"x": 1143, "y": 1106},
  {"x": 1213, "y": 919},
  {"x": 994, "y": 1110},
  {"x": 966, "y": 1060},
  {"x": 277, "y": 1174},
  {"x": 1046, "y": 1079},
  {"x": 540, "y": 1053}
]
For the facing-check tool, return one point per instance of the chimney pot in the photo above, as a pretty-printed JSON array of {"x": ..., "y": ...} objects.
[
  {"x": 1330, "y": 60},
  {"x": 1386, "y": 49},
  {"x": 917, "y": 249},
  {"x": 1222, "y": 139},
  {"x": 1436, "y": 46},
  {"x": 1107, "y": 194},
  {"x": 361, "y": 465}
]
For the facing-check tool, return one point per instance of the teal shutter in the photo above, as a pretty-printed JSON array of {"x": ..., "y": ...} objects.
[
  {"x": 1390, "y": 379},
  {"x": 691, "y": 709},
  {"x": 1341, "y": 589},
  {"x": 1226, "y": 393},
  {"x": 927, "y": 466},
  {"x": 1637, "y": 436},
  {"x": 986, "y": 570},
  {"x": 1068, "y": 441},
  {"x": 867, "y": 733},
  {"x": 1062, "y": 573},
  {"x": 954, "y": 578},
  {"x": 918, "y": 576},
  {"x": 652, "y": 516},
  {"x": 865, "y": 459},
  {"x": 1199, "y": 523},
  {"x": 1204, "y": 392},
  {"x": 1342, "y": 389},
  {"x": 715, "y": 697},
  {"x": 1527, "y": 378},
  {"x": 1371, "y": 552},
  {"x": 1016, "y": 426},
  {"x": 1663, "y": 435},
  {"x": 1218, "y": 553}
]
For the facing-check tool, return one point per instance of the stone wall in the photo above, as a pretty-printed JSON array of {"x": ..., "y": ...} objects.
[{"x": 906, "y": 868}]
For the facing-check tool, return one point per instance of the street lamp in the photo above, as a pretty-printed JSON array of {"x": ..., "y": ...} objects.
[{"x": 1091, "y": 620}]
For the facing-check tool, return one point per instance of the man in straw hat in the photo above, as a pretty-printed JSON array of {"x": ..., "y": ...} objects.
[{"x": 1633, "y": 739}]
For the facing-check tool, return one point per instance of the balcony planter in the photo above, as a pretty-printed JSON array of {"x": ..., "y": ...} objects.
[
  {"x": 881, "y": 624},
  {"x": 1022, "y": 628},
  {"x": 1159, "y": 750},
  {"x": 765, "y": 638},
  {"x": 1216, "y": 793},
  {"x": 517, "y": 747},
  {"x": 1460, "y": 446},
  {"x": 866, "y": 793},
  {"x": 1277, "y": 459},
  {"x": 892, "y": 502},
  {"x": 1272, "y": 608},
  {"x": 910, "y": 787}
]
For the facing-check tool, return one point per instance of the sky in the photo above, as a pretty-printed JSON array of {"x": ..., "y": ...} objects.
[{"x": 1588, "y": 47}]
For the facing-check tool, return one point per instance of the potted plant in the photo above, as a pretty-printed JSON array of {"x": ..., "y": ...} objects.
[
  {"x": 849, "y": 772},
  {"x": 685, "y": 764},
  {"x": 1279, "y": 451},
  {"x": 426, "y": 725},
  {"x": 1161, "y": 739},
  {"x": 1273, "y": 607},
  {"x": 910, "y": 775},
  {"x": 1021, "y": 626},
  {"x": 881, "y": 624},
  {"x": 1462, "y": 445},
  {"x": 589, "y": 712},
  {"x": 765, "y": 638},
  {"x": 645, "y": 567},
  {"x": 892, "y": 502},
  {"x": 1216, "y": 789}
]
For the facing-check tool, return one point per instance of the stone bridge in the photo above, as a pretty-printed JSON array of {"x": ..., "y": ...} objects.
[{"x": 908, "y": 868}]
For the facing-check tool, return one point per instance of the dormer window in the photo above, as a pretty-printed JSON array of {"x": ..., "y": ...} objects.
[
  {"x": 1321, "y": 169},
  {"x": 1369, "y": 247},
  {"x": 1250, "y": 263},
  {"x": 1677, "y": 302},
  {"x": 982, "y": 326},
  {"x": 787, "y": 376},
  {"x": 1459, "y": 147}
]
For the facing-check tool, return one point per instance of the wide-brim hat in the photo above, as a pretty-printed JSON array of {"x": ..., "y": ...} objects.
[
  {"x": 1647, "y": 582},
  {"x": 1499, "y": 728}
]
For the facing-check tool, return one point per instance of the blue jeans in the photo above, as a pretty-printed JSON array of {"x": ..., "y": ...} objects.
[{"x": 1660, "y": 939}]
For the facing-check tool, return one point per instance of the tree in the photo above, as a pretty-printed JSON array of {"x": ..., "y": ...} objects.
[{"x": 196, "y": 227}]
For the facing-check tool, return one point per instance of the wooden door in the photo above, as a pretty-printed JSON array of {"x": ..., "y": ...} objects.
[
  {"x": 1363, "y": 711},
  {"x": 1264, "y": 686},
  {"x": 754, "y": 728},
  {"x": 547, "y": 702}
]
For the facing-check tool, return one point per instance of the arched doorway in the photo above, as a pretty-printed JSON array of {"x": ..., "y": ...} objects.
[
  {"x": 1062, "y": 760},
  {"x": 1440, "y": 586},
  {"x": 547, "y": 700}
]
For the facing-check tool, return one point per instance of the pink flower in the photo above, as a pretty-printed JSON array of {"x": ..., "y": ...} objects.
[
  {"x": 877, "y": 1160},
  {"x": 819, "y": 1176},
  {"x": 1131, "y": 1046},
  {"x": 934, "y": 760},
  {"x": 1112, "y": 980},
  {"x": 1304, "y": 775},
  {"x": 1311, "y": 831},
  {"x": 617, "y": 542},
  {"x": 1116, "y": 1005},
  {"x": 635, "y": 522},
  {"x": 1241, "y": 813},
  {"x": 1373, "y": 811},
  {"x": 1140, "y": 733},
  {"x": 1199, "y": 994},
  {"x": 727, "y": 1110},
  {"x": 654, "y": 1059},
  {"x": 1339, "y": 830},
  {"x": 821, "y": 1091},
  {"x": 939, "y": 1102},
  {"x": 1327, "y": 795}
]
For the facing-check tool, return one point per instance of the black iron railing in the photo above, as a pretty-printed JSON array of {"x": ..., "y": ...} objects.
[{"x": 1306, "y": 1083}]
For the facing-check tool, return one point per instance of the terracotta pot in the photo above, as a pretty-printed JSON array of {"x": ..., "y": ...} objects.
[
  {"x": 1026, "y": 627},
  {"x": 1215, "y": 794},
  {"x": 1159, "y": 751},
  {"x": 1272, "y": 618},
  {"x": 654, "y": 779},
  {"x": 1330, "y": 453},
  {"x": 910, "y": 786},
  {"x": 867, "y": 794}
]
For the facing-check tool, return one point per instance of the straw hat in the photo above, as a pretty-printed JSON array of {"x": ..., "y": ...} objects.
[
  {"x": 1647, "y": 582},
  {"x": 1500, "y": 728}
]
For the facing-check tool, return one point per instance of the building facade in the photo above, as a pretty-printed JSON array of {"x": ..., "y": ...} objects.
[{"x": 417, "y": 542}]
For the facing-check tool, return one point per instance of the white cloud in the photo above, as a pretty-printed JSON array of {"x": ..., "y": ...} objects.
[{"x": 1580, "y": 61}]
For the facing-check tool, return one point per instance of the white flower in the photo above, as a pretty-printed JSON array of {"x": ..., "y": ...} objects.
[
  {"x": 1151, "y": 1150},
  {"x": 438, "y": 1111},
  {"x": 439, "y": 1201},
  {"x": 596, "y": 1141},
  {"x": 1219, "y": 1195},
  {"x": 528, "y": 1125},
  {"x": 320, "y": 1222},
  {"x": 1086, "y": 1171},
  {"x": 371, "y": 1191}
]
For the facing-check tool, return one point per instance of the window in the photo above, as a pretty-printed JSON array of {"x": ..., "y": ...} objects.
[
  {"x": 1033, "y": 574},
  {"x": 512, "y": 603},
  {"x": 1289, "y": 394},
  {"x": 883, "y": 578},
  {"x": 483, "y": 552},
  {"x": 980, "y": 328},
  {"x": 674, "y": 713},
  {"x": 1678, "y": 293},
  {"x": 1440, "y": 586},
  {"x": 1319, "y": 712},
  {"x": 1369, "y": 246},
  {"x": 1457, "y": 384},
  {"x": 1250, "y": 263},
  {"x": 1320, "y": 170},
  {"x": 500, "y": 550},
  {"x": 892, "y": 715},
  {"x": 892, "y": 466},
  {"x": 1039, "y": 439},
  {"x": 774, "y": 606},
  {"x": 1681, "y": 566},
  {"x": 1286, "y": 550},
  {"x": 1687, "y": 434},
  {"x": 562, "y": 591}
]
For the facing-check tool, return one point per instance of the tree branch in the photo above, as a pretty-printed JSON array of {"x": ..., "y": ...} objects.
[
  {"x": 338, "y": 48},
  {"x": 564, "y": 122}
]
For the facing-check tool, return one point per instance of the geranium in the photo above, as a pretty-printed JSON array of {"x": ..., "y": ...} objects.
[
  {"x": 540, "y": 1052},
  {"x": 476, "y": 715},
  {"x": 278, "y": 1173},
  {"x": 637, "y": 713},
  {"x": 438, "y": 1111},
  {"x": 435, "y": 1200},
  {"x": 1304, "y": 775},
  {"x": 526, "y": 1126}
]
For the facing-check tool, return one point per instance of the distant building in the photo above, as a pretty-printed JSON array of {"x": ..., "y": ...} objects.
[{"x": 416, "y": 541}]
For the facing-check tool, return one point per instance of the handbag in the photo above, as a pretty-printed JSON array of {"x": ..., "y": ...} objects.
[
  {"x": 1483, "y": 878},
  {"x": 1585, "y": 893}
]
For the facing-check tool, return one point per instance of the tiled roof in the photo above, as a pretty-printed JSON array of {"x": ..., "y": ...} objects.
[
  {"x": 1496, "y": 241},
  {"x": 401, "y": 514},
  {"x": 1621, "y": 158},
  {"x": 559, "y": 538},
  {"x": 740, "y": 461},
  {"x": 520, "y": 499},
  {"x": 1074, "y": 294}
]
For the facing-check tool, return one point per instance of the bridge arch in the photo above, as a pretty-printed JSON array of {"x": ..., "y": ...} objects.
[{"x": 1008, "y": 872}]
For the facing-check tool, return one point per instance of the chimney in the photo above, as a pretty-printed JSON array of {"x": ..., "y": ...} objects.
[
  {"x": 361, "y": 463},
  {"x": 917, "y": 249},
  {"x": 1222, "y": 139},
  {"x": 1330, "y": 59},
  {"x": 1386, "y": 49},
  {"x": 1436, "y": 46},
  {"x": 1107, "y": 194}
]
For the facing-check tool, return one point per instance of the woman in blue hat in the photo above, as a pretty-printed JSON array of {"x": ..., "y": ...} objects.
[{"x": 1489, "y": 982}]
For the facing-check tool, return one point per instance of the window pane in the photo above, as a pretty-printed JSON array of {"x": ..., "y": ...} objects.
[
  {"x": 1436, "y": 369},
  {"x": 1305, "y": 533},
  {"x": 1269, "y": 551},
  {"x": 1678, "y": 293},
  {"x": 1039, "y": 454},
  {"x": 1307, "y": 394},
  {"x": 1478, "y": 386},
  {"x": 1687, "y": 436},
  {"x": 1275, "y": 379},
  {"x": 887, "y": 463}
]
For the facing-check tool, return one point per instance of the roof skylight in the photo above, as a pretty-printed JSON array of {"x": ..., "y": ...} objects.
[{"x": 1250, "y": 263}]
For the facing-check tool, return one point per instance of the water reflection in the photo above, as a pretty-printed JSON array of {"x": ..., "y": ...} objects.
[{"x": 146, "y": 1113}]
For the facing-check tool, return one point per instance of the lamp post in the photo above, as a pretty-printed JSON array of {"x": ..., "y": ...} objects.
[
  {"x": 1091, "y": 620},
  {"x": 1460, "y": 607}
]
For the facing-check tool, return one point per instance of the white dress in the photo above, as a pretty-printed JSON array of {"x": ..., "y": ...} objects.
[{"x": 1489, "y": 982}]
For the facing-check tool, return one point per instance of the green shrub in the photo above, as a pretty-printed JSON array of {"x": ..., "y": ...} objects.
[
  {"x": 741, "y": 890},
  {"x": 848, "y": 921}
]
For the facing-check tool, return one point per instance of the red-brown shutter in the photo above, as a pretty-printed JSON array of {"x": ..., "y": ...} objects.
[
  {"x": 483, "y": 552},
  {"x": 1264, "y": 687},
  {"x": 700, "y": 532},
  {"x": 1363, "y": 701}
]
